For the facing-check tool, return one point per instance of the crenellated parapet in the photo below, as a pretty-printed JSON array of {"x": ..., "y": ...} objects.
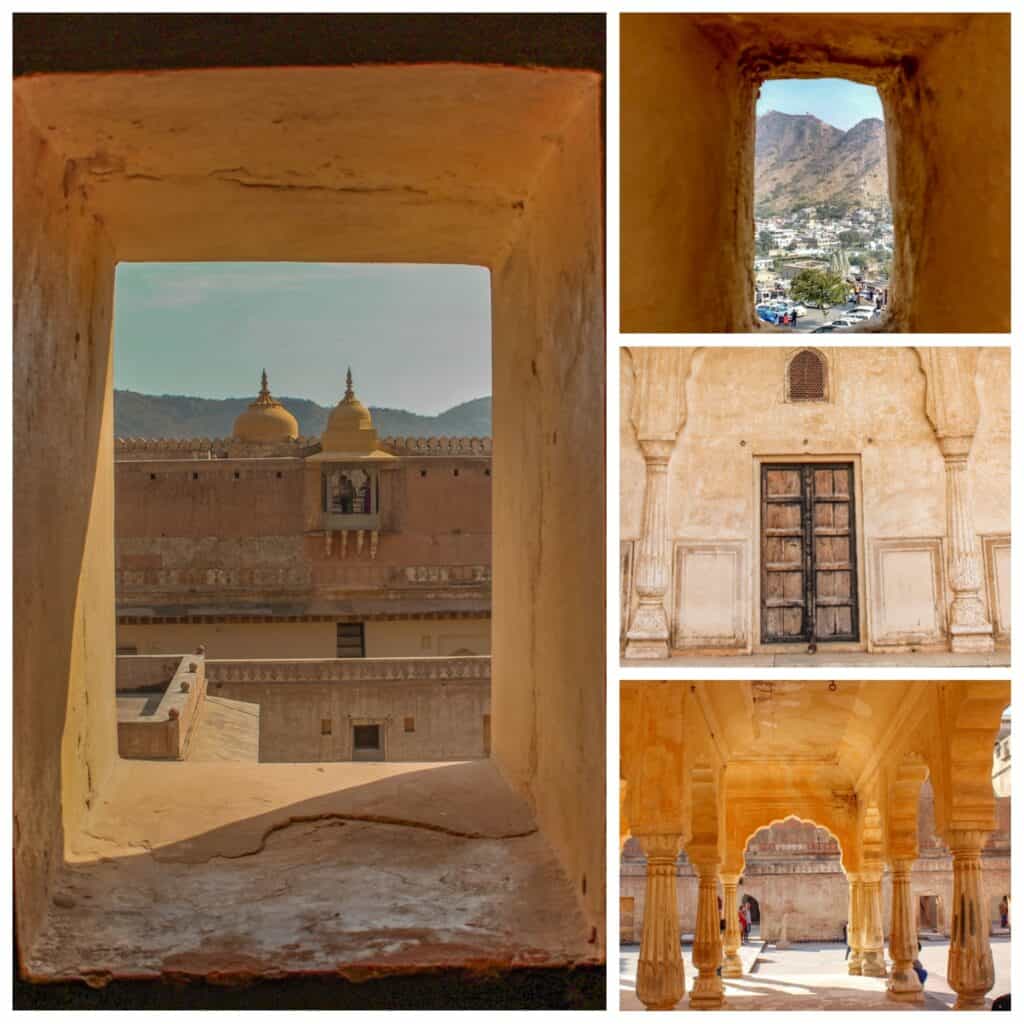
[{"x": 206, "y": 448}]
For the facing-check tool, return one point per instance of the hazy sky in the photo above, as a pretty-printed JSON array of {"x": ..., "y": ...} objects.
[
  {"x": 834, "y": 100},
  {"x": 418, "y": 337}
]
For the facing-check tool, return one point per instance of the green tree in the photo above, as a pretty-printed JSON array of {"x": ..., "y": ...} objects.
[
  {"x": 818, "y": 288},
  {"x": 852, "y": 238},
  {"x": 765, "y": 242}
]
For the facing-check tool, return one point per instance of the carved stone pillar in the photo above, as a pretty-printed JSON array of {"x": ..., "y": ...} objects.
[
  {"x": 648, "y": 632},
  {"x": 658, "y": 415},
  {"x": 732, "y": 967},
  {"x": 969, "y": 970},
  {"x": 659, "y": 976},
  {"x": 969, "y": 625},
  {"x": 951, "y": 404},
  {"x": 853, "y": 926},
  {"x": 872, "y": 938},
  {"x": 904, "y": 983},
  {"x": 708, "y": 992}
]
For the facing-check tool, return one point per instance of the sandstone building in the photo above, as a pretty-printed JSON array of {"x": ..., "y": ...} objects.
[
  {"x": 687, "y": 243},
  {"x": 706, "y": 766},
  {"x": 816, "y": 501},
  {"x": 268, "y": 545}
]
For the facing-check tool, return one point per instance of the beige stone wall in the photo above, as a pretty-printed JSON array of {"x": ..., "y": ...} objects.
[
  {"x": 737, "y": 416},
  {"x": 447, "y": 718},
  {"x": 384, "y": 639},
  {"x": 548, "y": 686},
  {"x": 687, "y": 223},
  {"x": 64, "y": 743}
]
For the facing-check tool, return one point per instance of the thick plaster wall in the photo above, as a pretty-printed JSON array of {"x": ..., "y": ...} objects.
[
  {"x": 684, "y": 194},
  {"x": 65, "y": 729},
  {"x": 548, "y": 605}
]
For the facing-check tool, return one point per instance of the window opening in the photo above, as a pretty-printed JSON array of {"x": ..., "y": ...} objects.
[
  {"x": 823, "y": 219},
  {"x": 807, "y": 377},
  {"x": 351, "y": 640}
]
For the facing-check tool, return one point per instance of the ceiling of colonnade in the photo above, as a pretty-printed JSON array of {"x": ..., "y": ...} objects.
[{"x": 839, "y": 726}]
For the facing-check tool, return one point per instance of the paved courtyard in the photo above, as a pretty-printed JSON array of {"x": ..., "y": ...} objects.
[{"x": 812, "y": 976}]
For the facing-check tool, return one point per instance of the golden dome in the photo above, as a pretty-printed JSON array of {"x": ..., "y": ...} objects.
[
  {"x": 349, "y": 427},
  {"x": 265, "y": 421}
]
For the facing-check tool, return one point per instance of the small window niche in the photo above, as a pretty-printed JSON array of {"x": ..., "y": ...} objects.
[
  {"x": 351, "y": 497},
  {"x": 807, "y": 376}
]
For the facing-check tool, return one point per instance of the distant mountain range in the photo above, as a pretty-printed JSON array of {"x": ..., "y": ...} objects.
[
  {"x": 800, "y": 161},
  {"x": 152, "y": 416}
]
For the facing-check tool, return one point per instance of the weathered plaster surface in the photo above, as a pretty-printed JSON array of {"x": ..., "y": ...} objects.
[{"x": 363, "y": 871}]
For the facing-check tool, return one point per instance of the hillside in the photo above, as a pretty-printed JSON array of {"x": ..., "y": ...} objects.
[
  {"x": 137, "y": 415},
  {"x": 800, "y": 160}
]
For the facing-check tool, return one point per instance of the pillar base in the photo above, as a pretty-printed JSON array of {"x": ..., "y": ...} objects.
[
  {"x": 708, "y": 996},
  {"x": 854, "y": 964},
  {"x": 971, "y": 639},
  {"x": 970, "y": 1003},
  {"x": 732, "y": 966},
  {"x": 905, "y": 986},
  {"x": 648, "y": 649},
  {"x": 873, "y": 965}
]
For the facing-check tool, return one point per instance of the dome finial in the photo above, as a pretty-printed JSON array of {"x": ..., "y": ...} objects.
[
  {"x": 349, "y": 393},
  {"x": 264, "y": 388}
]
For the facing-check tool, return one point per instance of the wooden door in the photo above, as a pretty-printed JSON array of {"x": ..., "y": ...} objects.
[{"x": 808, "y": 553}]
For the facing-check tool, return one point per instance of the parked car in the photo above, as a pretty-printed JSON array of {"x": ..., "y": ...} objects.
[
  {"x": 841, "y": 322},
  {"x": 824, "y": 329}
]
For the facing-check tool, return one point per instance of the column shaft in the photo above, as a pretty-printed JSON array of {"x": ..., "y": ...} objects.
[
  {"x": 969, "y": 969},
  {"x": 648, "y": 632},
  {"x": 904, "y": 983},
  {"x": 707, "y": 993},
  {"x": 732, "y": 967},
  {"x": 872, "y": 938},
  {"x": 659, "y": 976},
  {"x": 853, "y": 926},
  {"x": 969, "y": 626}
]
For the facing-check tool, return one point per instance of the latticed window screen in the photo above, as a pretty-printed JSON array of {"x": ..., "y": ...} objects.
[{"x": 807, "y": 377}]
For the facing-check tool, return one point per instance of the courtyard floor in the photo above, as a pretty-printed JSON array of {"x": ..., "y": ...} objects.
[{"x": 812, "y": 976}]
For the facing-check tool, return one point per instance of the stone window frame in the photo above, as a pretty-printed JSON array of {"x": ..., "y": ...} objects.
[
  {"x": 382, "y": 724},
  {"x": 70, "y": 255}
]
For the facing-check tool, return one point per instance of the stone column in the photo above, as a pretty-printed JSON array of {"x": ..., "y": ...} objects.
[
  {"x": 708, "y": 992},
  {"x": 969, "y": 970},
  {"x": 732, "y": 966},
  {"x": 659, "y": 976},
  {"x": 872, "y": 939},
  {"x": 904, "y": 983},
  {"x": 648, "y": 632},
  {"x": 853, "y": 927},
  {"x": 969, "y": 626}
]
